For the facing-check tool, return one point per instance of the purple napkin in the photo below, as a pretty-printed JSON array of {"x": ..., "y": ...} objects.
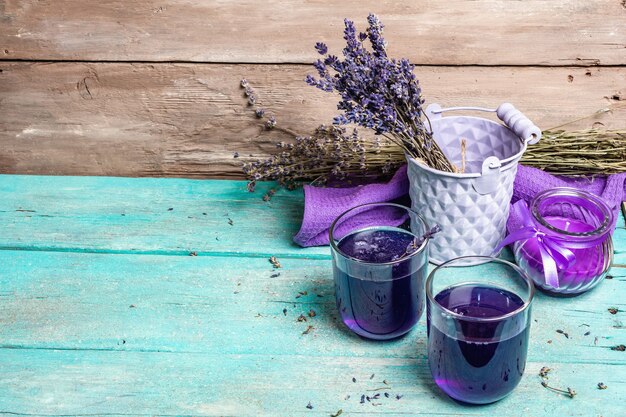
[
  {"x": 530, "y": 181},
  {"x": 323, "y": 205}
]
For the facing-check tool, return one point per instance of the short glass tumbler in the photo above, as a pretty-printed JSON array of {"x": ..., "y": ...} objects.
[
  {"x": 478, "y": 321},
  {"x": 379, "y": 266},
  {"x": 576, "y": 221}
]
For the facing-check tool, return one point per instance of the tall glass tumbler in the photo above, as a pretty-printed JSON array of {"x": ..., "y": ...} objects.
[
  {"x": 478, "y": 321},
  {"x": 380, "y": 262}
]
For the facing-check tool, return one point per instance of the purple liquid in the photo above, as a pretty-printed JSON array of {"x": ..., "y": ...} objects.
[
  {"x": 484, "y": 362},
  {"x": 588, "y": 268},
  {"x": 382, "y": 302}
]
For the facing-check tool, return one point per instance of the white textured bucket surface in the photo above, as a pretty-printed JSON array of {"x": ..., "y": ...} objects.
[{"x": 472, "y": 223}]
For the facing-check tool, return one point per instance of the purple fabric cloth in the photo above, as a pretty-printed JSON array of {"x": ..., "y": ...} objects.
[
  {"x": 530, "y": 181},
  {"x": 323, "y": 205}
]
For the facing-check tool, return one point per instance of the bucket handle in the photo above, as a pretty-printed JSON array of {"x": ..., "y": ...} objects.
[{"x": 512, "y": 118}]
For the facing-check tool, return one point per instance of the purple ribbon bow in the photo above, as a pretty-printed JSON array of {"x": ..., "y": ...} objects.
[{"x": 555, "y": 251}]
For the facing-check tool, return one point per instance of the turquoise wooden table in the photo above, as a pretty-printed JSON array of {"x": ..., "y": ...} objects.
[{"x": 156, "y": 297}]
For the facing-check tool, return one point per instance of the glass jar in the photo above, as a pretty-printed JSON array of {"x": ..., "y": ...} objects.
[{"x": 570, "y": 248}]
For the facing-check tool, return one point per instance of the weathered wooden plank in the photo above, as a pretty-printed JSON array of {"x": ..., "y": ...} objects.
[
  {"x": 189, "y": 120},
  {"x": 119, "y": 334},
  {"x": 149, "y": 215},
  {"x": 132, "y": 215},
  {"x": 79, "y": 383},
  {"x": 486, "y": 32},
  {"x": 218, "y": 305},
  {"x": 99, "y": 383}
]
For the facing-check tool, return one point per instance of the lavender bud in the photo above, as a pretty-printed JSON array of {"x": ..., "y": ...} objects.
[
  {"x": 377, "y": 92},
  {"x": 321, "y": 48},
  {"x": 271, "y": 123},
  {"x": 259, "y": 113},
  {"x": 434, "y": 230}
]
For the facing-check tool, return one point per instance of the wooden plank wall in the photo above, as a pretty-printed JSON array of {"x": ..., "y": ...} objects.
[{"x": 151, "y": 88}]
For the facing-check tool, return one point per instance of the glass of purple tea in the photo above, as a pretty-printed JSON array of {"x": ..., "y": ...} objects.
[
  {"x": 478, "y": 322},
  {"x": 380, "y": 259}
]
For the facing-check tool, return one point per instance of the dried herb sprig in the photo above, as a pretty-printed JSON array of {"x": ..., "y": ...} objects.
[
  {"x": 582, "y": 152},
  {"x": 569, "y": 392},
  {"x": 543, "y": 373},
  {"x": 378, "y": 92},
  {"x": 331, "y": 152},
  {"x": 274, "y": 261}
]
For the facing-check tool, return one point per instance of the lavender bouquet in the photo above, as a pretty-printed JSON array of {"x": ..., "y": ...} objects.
[
  {"x": 384, "y": 95},
  {"x": 329, "y": 156},
  {"x": 378, "y": 93}
]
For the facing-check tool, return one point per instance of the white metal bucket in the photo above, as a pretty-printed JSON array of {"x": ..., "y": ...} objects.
[{"x": 471, "y": 207}]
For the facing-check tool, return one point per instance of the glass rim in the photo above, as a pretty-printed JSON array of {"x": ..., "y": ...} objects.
[
  {"x": 487, "y": 259},
  {"x": 418, "y": 251},
  {"x": 606, "y": 222}
]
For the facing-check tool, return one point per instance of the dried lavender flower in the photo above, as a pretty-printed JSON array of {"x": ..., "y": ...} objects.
[
  {"x": 333, "y": 153},
  {"x": 330, "y": 153},
  {"x": 321, "y": 48},
  {"x": 271, "y": 123},
  {"x": 378, "y": 93},
  {"x": 429, "y": 234}
]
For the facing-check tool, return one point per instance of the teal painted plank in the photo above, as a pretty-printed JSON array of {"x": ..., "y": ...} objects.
[
  {"x": 227, "y": 305},
  {"x": 132, "y": 215},
  {"x": 134, "y": 383},
  {"x": 92, "y": 334},
  {"x": 619, "y": 243}
]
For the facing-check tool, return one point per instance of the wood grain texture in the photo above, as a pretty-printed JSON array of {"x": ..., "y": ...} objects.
[
  {"x": 455, "y": 32},
  {"x": 149, "y": 215},
  {"x": 88, "y": 383},
  {"x": 165, "y": 333},
  {"x": 223, "y": 305},
  {"x": 189, "y": 119},
  {"x": 133, "y": 216}
]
